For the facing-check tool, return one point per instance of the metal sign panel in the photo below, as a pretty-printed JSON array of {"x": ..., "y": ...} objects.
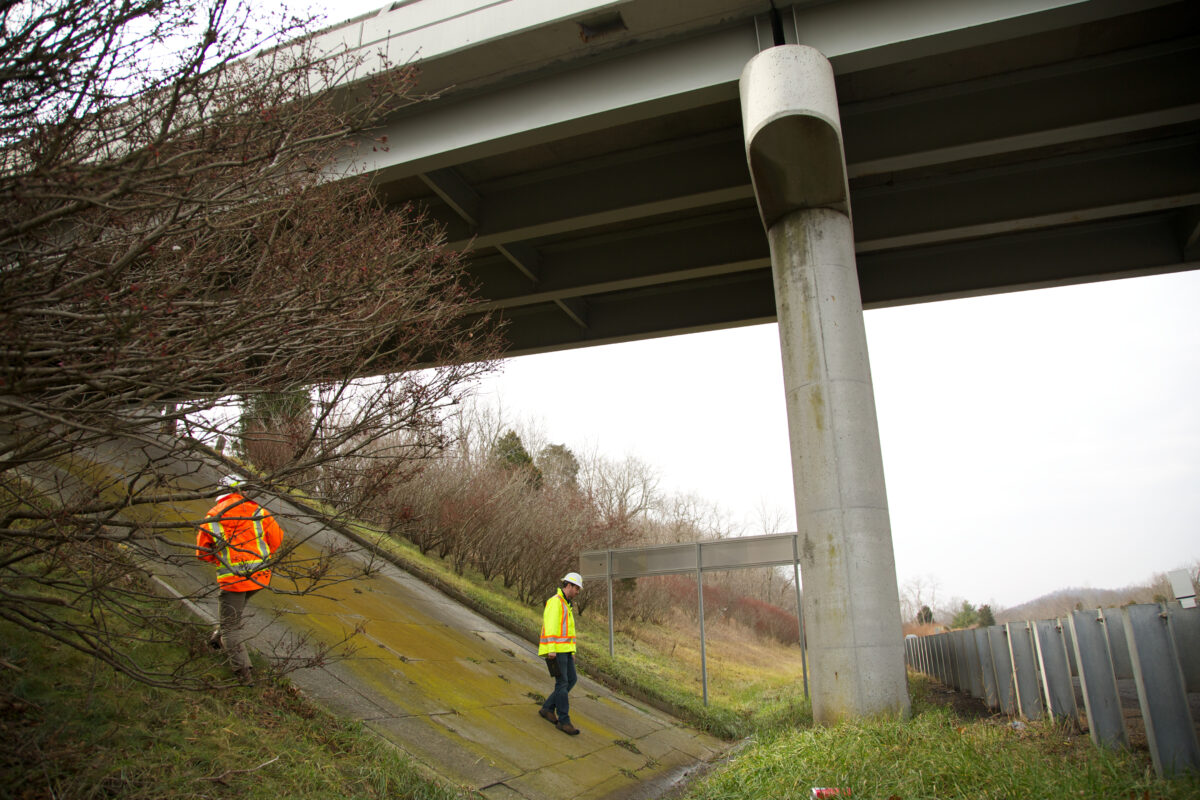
[
  {"x": 1181, "y": 585},
  {"x": 748, "y": 551},
  {"x": 656, "y": 560},
  {"x": 665, "y": 559},
  {"x": 593, "y": 564}
]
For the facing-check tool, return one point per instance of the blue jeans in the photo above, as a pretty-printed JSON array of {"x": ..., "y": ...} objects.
[{"x": 558, "y": 701}]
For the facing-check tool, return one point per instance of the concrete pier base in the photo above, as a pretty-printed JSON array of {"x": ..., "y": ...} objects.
[{"x": 851, "y": 603}]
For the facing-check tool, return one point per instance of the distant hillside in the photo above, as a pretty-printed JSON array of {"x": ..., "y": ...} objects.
[{"x": 1062, "y": 602}]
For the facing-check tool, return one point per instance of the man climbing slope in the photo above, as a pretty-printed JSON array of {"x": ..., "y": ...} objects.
[{"x": 239, "y": 536}]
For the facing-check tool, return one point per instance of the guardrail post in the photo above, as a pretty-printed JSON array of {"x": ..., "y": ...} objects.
[
  {"x": 611, "y": 611},
  {"x": 700, "y": 595},
  {"x": 800, "y": 611}
]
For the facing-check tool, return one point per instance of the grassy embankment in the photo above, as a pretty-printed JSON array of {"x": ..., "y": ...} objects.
[
  {"x": 937, "y": 755},
  {"x": 73, "y": 728}
]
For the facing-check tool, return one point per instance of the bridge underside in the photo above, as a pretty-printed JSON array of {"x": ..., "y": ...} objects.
[{"x": 1036, "y": 155}]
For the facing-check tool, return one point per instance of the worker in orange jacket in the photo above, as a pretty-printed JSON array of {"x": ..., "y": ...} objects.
[{"x": 239, "y": 536}]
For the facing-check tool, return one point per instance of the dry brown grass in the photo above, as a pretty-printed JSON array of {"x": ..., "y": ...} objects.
[{"x": 737, "y": 657}]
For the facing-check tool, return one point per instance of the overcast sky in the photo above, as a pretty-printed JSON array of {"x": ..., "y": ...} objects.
[{"x": 1031, "y": 441}]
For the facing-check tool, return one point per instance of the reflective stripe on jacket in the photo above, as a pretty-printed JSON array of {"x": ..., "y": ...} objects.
[
  {"x": 239, "y": 536},
  {"x": 558, "y": 626}
]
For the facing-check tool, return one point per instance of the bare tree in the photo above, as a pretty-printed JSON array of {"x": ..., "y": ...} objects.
[
  {"x": 919, "y": 592},
  {"x": 620, "y": 490},
  {"x": 771, "y": 518},
  {"x": 172, "y": 239}
]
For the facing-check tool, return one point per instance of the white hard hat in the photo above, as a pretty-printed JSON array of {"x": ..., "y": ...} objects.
[{"x": 573, "y": 577}]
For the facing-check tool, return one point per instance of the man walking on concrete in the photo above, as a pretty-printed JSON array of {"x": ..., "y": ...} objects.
[
  {"x": 557, "y": 646},
  {"x": 239, "y": 536}
]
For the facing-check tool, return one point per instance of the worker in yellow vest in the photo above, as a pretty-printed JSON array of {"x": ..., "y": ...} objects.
[{"x": 557, "y": 646}]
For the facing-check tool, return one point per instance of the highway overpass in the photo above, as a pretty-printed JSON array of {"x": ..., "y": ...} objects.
[{"x": 590, "y": 155}]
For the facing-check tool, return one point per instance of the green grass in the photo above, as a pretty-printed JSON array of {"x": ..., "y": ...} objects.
[
  {"x": 936, "y": 755},
  {"x": 71, "y": 727}
]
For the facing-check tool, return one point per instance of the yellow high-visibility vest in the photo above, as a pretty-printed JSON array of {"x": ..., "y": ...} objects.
[{"x": 558, "y": 627}]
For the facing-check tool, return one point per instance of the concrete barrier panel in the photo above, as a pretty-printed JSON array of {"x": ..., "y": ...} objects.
[
  {"x": 1184, "y": 624},
  {"x": 1118, "y": 650},
  {"x": 1097, "y": 679},
  {"x": 1020, "y": 646},
  {"x": 987, "y": 668},
  {"x": 1056, "y": 669},
  {"x": 1002, "y": 663},
  {"x": 1170, "y": 731}
]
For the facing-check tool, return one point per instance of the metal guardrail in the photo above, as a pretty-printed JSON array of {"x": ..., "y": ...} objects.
[{"x": 1030, "y": 669}]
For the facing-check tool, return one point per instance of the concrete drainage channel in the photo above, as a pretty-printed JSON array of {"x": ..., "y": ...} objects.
[{"x": 455, "y": 690}]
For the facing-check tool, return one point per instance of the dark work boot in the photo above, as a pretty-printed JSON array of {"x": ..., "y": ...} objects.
[
  {"x": 549, "y": 716},
  {"x": 567, "y": 728}
]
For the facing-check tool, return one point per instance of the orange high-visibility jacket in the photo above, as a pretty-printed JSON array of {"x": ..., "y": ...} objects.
[
  {"x": 558, "y": 627},
  {"x": 239, "y": 536}
]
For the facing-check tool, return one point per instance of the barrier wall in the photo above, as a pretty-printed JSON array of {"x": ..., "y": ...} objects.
[{"x": 1037, "y": 669}]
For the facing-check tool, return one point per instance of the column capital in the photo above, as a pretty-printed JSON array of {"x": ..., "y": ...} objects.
[{"x": 793, "y": 132}]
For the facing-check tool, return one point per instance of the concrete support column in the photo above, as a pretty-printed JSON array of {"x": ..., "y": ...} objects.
[{"x": 852, "y": 609}]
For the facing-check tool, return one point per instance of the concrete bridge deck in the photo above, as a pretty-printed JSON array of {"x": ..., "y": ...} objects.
[{"x": 590, "y": 155}]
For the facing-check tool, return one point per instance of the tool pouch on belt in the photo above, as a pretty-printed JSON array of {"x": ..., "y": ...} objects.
[{"x": 552, "y": 666}]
